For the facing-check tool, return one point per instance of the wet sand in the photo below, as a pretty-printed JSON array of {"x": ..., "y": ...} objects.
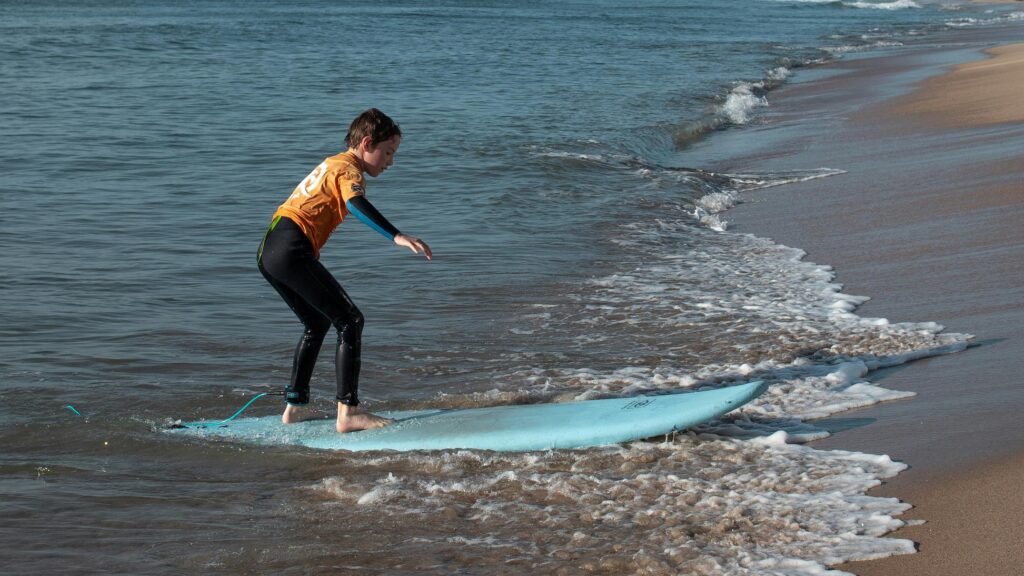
[{"x": 927, "y": 222}]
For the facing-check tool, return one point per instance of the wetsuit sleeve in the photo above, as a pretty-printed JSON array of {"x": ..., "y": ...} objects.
[{"x": 365, "y": 211}]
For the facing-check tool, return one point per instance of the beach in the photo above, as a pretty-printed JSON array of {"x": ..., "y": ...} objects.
[
  {"x": 926, "y": 222},
  {"x": 574, "y": 167}
]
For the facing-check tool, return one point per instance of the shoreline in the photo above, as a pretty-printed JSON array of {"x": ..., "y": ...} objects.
[{"x": 925, "y": 222}]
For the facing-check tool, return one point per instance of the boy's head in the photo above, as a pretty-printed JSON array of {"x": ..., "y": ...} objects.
[{"x": 373, "y": 124}]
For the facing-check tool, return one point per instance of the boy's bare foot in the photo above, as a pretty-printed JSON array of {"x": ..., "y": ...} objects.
[
  {"x": 350, "y": 419},
  {"x": 293, "y": 414}
]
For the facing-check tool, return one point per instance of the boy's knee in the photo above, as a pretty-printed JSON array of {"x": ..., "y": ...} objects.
[
  {"x": 350, "y": 329},
  {"x": 317, "y": 330}
]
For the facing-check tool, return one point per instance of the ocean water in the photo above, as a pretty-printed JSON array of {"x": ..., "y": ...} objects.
[{"x": 578, "y": 254}]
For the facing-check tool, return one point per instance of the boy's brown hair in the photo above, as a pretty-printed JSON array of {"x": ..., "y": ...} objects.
[{"x": 373, "y": 123}]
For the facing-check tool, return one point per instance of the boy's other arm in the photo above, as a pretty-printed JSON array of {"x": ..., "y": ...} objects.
[{"x": 366, "y": 212}]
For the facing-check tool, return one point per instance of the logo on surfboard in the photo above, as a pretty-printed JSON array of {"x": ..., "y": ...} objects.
[{"x": 638, "y": 403}]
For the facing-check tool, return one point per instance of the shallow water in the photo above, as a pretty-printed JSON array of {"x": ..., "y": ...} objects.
[{"x": 580, "y": 254}]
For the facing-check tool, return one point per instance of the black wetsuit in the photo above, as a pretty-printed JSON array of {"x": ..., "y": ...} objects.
[{"x": 287, "y": 261}]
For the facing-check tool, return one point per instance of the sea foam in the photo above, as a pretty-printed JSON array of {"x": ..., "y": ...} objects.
[{"x": 693, "y": 504}]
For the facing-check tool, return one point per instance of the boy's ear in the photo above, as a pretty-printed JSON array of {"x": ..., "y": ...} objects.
[{"x": 366, "y": 143}]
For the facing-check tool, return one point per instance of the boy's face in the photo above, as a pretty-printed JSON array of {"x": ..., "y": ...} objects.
[{"x": 377, "y": 157}]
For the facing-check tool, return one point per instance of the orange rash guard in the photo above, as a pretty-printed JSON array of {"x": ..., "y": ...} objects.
[{"x": 317, "y": 204}]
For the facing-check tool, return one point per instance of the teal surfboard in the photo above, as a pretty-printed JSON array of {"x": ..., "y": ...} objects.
[{"x": 516, "y": 428}]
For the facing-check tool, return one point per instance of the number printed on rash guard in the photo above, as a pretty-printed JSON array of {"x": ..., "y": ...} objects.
[{"x": 317, "y": 204}]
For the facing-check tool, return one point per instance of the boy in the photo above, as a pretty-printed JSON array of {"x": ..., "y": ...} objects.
[{"x": 289, "y": 260}]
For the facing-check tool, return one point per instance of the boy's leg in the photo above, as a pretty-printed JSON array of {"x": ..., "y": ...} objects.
[
  {"x": 283, "y": 246},
  {"x": 308, "y": 347},
  {"x": 324, "y": 293}
]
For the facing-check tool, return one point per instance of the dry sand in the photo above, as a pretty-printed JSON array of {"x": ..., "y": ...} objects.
[
  {"x": 929, "y": 222},
  {"x": 974, "y": 524},
  {"x": 974, "y": 94}
]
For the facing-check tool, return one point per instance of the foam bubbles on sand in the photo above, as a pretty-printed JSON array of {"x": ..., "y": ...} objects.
[{"x": 692, "y": 505}]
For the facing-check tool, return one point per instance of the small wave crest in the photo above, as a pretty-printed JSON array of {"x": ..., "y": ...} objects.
[
  {"x": 846, "y": 48},
  {"x": 736, "y": 107},
  {"x": 882, "y": 5},
  {"x": 969, "y": 22},
  {"x": 895, "y": 5},
  {"x": 746, "y": 96},
  {"x": 718, "y": 192}
]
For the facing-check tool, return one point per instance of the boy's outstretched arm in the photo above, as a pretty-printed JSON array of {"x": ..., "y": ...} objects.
[{"x": 366, "y": 212}]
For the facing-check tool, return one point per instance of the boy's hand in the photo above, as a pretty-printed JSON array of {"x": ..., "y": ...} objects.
[{"x": 414, "y": 244}]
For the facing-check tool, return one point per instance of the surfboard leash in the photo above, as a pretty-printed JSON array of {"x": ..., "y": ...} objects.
[
  {"x": 229, "y": 418},
  {"x": 206, "y": 424}
]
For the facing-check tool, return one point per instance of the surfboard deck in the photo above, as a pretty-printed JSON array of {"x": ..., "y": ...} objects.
[{"x": 514, "y": 428}]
